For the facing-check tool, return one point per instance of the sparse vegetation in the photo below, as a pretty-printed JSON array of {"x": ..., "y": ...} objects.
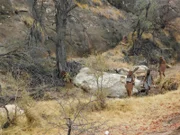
[
  {"x": 98, "y": 66},
  {"x": 46, "y": 44}
]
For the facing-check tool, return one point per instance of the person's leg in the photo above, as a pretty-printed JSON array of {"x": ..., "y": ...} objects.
[
  {"x": 160, "y": 75},
  {"x": 128, "y": 88},
  {"x": 163, "y": 69},
  {"x": 128, "y": 91},
  {"x": 164, "y": 74},
  {"x": 147, "y": 91},
  {"x": 131, "y": 89}
]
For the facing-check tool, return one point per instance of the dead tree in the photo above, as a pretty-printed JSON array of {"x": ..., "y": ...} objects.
[
  {"x": 63, "y": 8},
  {"x": 60, "y": 15},
  {"x": 76, "y": 122}
]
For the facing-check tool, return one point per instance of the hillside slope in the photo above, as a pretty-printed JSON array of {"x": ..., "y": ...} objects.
[
  {"x": 152, "y": 115},
  {"x": 97, "y": 26}
]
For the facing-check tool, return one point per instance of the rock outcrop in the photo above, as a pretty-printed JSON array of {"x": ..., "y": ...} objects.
[
  {"x": 92, "y": 28},
  {"x": 8, "y": 7},
  {"x": 112, "y": 83},
  {"x": 5, "y": 7}
]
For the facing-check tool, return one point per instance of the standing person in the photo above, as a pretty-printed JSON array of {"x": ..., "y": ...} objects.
[
  {"x": 129, "y": 83},
  {"x": 148, "y": 81},
  {"x": 162, "y": 67}
]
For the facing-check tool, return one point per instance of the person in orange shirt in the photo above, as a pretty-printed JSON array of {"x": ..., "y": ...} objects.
[
  {"x": 129, "y": 83},
  {"x": 162, "y": 67}
]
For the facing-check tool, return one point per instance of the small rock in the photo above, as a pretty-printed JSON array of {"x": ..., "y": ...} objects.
[
  {"x": 106, "y": 132},
  {"x": 122, "y": 71},
  {"x": 2, "y": 7},
  {"x": 48, "y": 10},
  {"x": 141, "y": 69},
  {"x": 12, "y": 109},
  {"x": 143, "y": 63}
]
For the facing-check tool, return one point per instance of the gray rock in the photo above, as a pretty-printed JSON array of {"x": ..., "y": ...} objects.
[
  {"x": 141, "y": 69},
  {"x": 5, "y": 7},
  {"x": 112, "y": 83},
  {"x": 122, "y": 71},
  {"x": 144, "y": 62},
  {"x": 141, "y": 72},
  {"x": 118, "y": 90}
]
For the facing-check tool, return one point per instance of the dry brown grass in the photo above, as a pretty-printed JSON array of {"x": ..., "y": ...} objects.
[
  {"x": 103, "y": 10},
  {"x": 170, "y": 83},
  {"x": 138, "y": 112},
  {"x": 177, "y": 36},
  {"x": 114, "y": 58},
  {"x": 99, "y": 2},
  {"x": 28, "y": 21},
  {"x": 159, "y": 43},
  {"x": 83, "y": 6},
  {"x": 131, "y": 112},
  {"x": 111, "y": 13},
  {"x": 147, "y": 36}
]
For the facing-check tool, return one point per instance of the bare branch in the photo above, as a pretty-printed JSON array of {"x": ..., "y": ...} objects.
[
  {"x": 71, "y": 8},
  {"x": 7, "y": 114}
]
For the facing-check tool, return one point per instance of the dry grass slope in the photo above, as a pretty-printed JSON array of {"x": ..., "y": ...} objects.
[{"x": 125, "y": 116}]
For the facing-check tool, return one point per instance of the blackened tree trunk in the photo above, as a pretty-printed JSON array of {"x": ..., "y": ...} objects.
[
  {"x": 61, "y": 22},
  {"x": 62, "y": 11},
  {"x": 63, "y": 8}
]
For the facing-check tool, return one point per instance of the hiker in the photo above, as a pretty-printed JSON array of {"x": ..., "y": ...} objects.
[
  {"x": 162, "y": 67},
  {"x": 148, "y": 81},
  {"x": 129, "y": 83}
]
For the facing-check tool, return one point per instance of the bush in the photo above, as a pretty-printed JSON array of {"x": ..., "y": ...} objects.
[
  {"x": 171, "y": 83},
  {"x": 98, "y": 65}
]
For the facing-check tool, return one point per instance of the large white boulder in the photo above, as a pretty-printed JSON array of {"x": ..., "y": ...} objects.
[
  {"x": 118, "y": 90},
  {"x": 113, "y": 83}
]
